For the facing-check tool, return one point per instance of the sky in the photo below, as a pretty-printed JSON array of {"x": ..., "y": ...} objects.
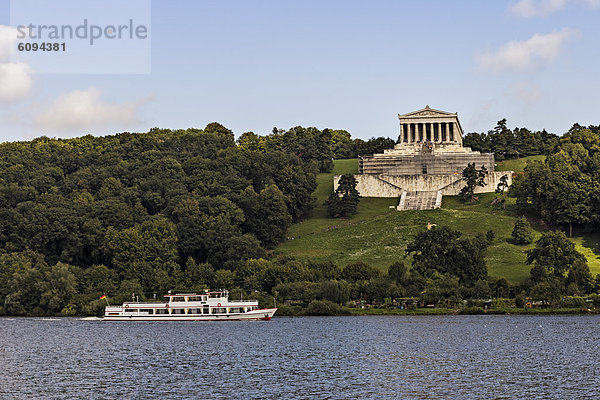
[{"x": 257, "y": 64}]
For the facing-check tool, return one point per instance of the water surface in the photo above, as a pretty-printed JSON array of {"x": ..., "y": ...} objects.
[{"x": 441, "y": 357}]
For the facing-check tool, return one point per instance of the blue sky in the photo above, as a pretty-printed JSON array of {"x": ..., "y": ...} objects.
[{"x": 353, "y": 65}]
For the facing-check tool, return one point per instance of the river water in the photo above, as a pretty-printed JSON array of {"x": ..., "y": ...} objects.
[{"x": 441, "y": 357}]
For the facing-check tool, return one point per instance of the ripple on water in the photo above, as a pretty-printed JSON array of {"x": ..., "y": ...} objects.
[{"x": 466, "y": 357}]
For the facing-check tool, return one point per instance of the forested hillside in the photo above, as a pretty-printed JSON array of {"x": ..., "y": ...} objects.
[
  {"x": 564, "y": 189},
  {"x": 185, "y": 210},
  {"x": 150, "y": 212},
  {"x": 81, "y": 215}
]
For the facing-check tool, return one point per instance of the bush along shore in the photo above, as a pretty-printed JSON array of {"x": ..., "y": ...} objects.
[{"x": 411, "y": 306}]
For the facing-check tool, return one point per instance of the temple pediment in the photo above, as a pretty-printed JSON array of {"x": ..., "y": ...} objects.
[
  {"x": 427, "y": 112},
  {"x": 431, "y": 125}
]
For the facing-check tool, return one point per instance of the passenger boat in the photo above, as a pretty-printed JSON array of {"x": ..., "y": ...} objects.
[{"x": 209, "y": 306}]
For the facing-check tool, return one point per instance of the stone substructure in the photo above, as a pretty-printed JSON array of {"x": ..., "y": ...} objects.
[
  {"x": 424, "y": 159},
  {"x": 426, "y": 164}
]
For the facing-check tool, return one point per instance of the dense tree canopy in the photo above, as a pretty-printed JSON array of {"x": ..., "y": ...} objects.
[
  {"x": 505, "y": 143},
  {"x": 555, "y": 260},
  {"x": 565, "y": 188},
  {"x": 149, "y": 212},
  {"x": 135, "y": 207},
  {"x": 444, "y": 250},
  {"x": 312, "y": 144}
]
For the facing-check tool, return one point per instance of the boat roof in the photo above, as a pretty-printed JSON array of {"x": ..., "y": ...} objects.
[{"x": 196, "y": 294}]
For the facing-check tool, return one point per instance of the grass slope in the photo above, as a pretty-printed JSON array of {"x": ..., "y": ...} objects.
[
  {"x": 378, "y": 235},
  {"x": 517, "y": 165}
]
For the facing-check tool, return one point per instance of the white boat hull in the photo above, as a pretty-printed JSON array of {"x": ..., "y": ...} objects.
[{"x": 264, "y": 314}]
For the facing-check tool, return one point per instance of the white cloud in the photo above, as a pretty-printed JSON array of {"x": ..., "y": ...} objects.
[
  {"x": 84, "y": 109},
  {"x": 15, "y": 81},
  {"x": 530, "y": 54},
  {"x": 8, "y": 39},
  {"x": 15, "y": 77},
  {"x": 541, "y": 8}
]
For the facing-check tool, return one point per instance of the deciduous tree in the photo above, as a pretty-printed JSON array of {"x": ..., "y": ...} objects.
[{"x": 473, "y": 178}]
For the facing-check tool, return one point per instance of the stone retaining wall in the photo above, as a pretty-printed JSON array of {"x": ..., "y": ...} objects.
[{"x": 392, "y": 186}]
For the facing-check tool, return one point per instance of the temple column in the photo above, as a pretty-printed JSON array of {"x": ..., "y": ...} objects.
[
  {"x": 452, "y": 131},
  {"x": 401, "y": 133},
  {"x": 439, "y": 128}
]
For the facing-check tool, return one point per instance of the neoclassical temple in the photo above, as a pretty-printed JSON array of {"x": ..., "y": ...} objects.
[
  {"x": 430, "y": 125},
  {"x": 425, "y": 164},
  {"x": 430, "y": 143}
]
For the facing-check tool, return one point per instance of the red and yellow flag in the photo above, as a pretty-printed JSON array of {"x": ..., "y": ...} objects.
[{"x": 102, "y": 297}]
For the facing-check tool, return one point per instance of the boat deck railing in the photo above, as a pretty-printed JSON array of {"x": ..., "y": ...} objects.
[{"x": 186, "y": 302}]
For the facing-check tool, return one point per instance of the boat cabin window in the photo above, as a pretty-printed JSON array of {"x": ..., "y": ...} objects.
[
  {"x": 177, "y": 298},
  {"x": 195, "y": 298},
  {"x": 162, "y": 311},
  {"x": 219, "y": 310},
  {"x": 131, "y": 310},
  {"x": 147, "y": 310},
  {"x": 178, "y": 311}
]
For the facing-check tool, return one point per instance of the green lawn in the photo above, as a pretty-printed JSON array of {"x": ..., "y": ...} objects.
[
  {"x": 378, "y": 235},
  {"x": 589, "y": 245},
  {"x": 518, "y": 164},
  {"x": 319, "y": 222}
]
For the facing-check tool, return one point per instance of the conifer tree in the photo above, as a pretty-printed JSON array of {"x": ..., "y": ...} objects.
[
  {"x": 521, "y": 233},
  {"x": 344, "y": 201}
]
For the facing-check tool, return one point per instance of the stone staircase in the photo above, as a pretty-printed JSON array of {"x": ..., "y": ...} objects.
[{"x": 423, "y": 200}]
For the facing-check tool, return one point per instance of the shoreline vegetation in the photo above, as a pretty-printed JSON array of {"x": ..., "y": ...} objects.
[
  {"x": 473, "y": 311},
  {"x": 500, "y": 306}
]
